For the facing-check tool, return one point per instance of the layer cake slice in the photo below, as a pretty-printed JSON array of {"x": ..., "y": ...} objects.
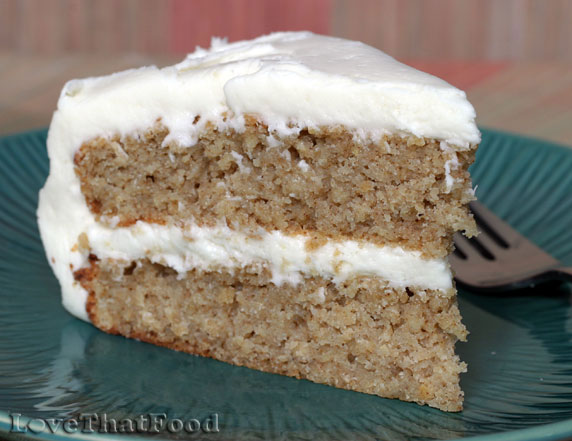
[{"x": 285, "y": 203}]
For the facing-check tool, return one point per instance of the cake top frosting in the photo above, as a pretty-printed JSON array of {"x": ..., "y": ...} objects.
[{"x": 290, "y": 80}]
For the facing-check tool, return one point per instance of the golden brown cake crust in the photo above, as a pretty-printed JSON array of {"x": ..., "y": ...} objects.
[
  {"x": 359, "y": 335},
  {"x": 323, "y": 182}
]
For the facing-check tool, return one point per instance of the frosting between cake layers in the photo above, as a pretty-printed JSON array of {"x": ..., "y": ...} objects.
[{"x": 287, "y": 256}]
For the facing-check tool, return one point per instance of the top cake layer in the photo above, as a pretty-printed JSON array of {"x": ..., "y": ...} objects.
[{"x": 291, "y": 80}]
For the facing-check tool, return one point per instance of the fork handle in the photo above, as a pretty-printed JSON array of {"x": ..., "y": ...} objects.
[{"x": 564, "y": 273}]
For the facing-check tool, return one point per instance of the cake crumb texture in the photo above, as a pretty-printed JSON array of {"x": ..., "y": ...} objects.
[
  {"x": 360, "y": 335},
  {"x": 322, "y": 182}
]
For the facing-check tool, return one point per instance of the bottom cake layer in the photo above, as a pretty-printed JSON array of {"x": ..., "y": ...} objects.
[{"x": 359, "y": 335}]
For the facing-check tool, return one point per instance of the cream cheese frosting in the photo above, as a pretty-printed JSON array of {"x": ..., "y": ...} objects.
[
  {"x": 287, "y": 256},
  {"x": 290, "y": 81}
]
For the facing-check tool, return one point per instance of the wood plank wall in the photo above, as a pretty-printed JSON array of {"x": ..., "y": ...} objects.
[{"x": 409, "y": 29}]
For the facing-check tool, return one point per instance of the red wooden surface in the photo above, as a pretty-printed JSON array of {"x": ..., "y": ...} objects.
[
  {"x": 196, "y": 22},
  {"x": 461, "y": 74}
]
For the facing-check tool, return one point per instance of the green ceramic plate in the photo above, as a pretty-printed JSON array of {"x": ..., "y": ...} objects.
[{"x": 519, "y": 384}]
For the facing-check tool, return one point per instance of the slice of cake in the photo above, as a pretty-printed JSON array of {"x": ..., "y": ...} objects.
[{"x": 285, "y": 203}]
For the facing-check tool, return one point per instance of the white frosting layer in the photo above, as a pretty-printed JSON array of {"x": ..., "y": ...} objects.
[
  {"x": 291, "y": 80},
  {"x": 286, "y": 256}
]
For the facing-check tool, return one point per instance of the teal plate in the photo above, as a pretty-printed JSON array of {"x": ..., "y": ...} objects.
[{"x": 519, "y": 384}]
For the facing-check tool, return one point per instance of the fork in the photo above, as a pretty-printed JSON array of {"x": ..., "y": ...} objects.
[{"x": 501, "y": 259}]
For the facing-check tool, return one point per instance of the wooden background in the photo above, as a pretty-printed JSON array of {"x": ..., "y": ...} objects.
[
  {"x": 427, "y": 29},
  {"x": 513, "y": 57}
]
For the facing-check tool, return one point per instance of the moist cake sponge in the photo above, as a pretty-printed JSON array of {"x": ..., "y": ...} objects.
[{"x": 285, "y": 203}]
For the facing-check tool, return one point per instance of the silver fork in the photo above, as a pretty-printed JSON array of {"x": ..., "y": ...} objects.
[{"x": 500, "y": 258}]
